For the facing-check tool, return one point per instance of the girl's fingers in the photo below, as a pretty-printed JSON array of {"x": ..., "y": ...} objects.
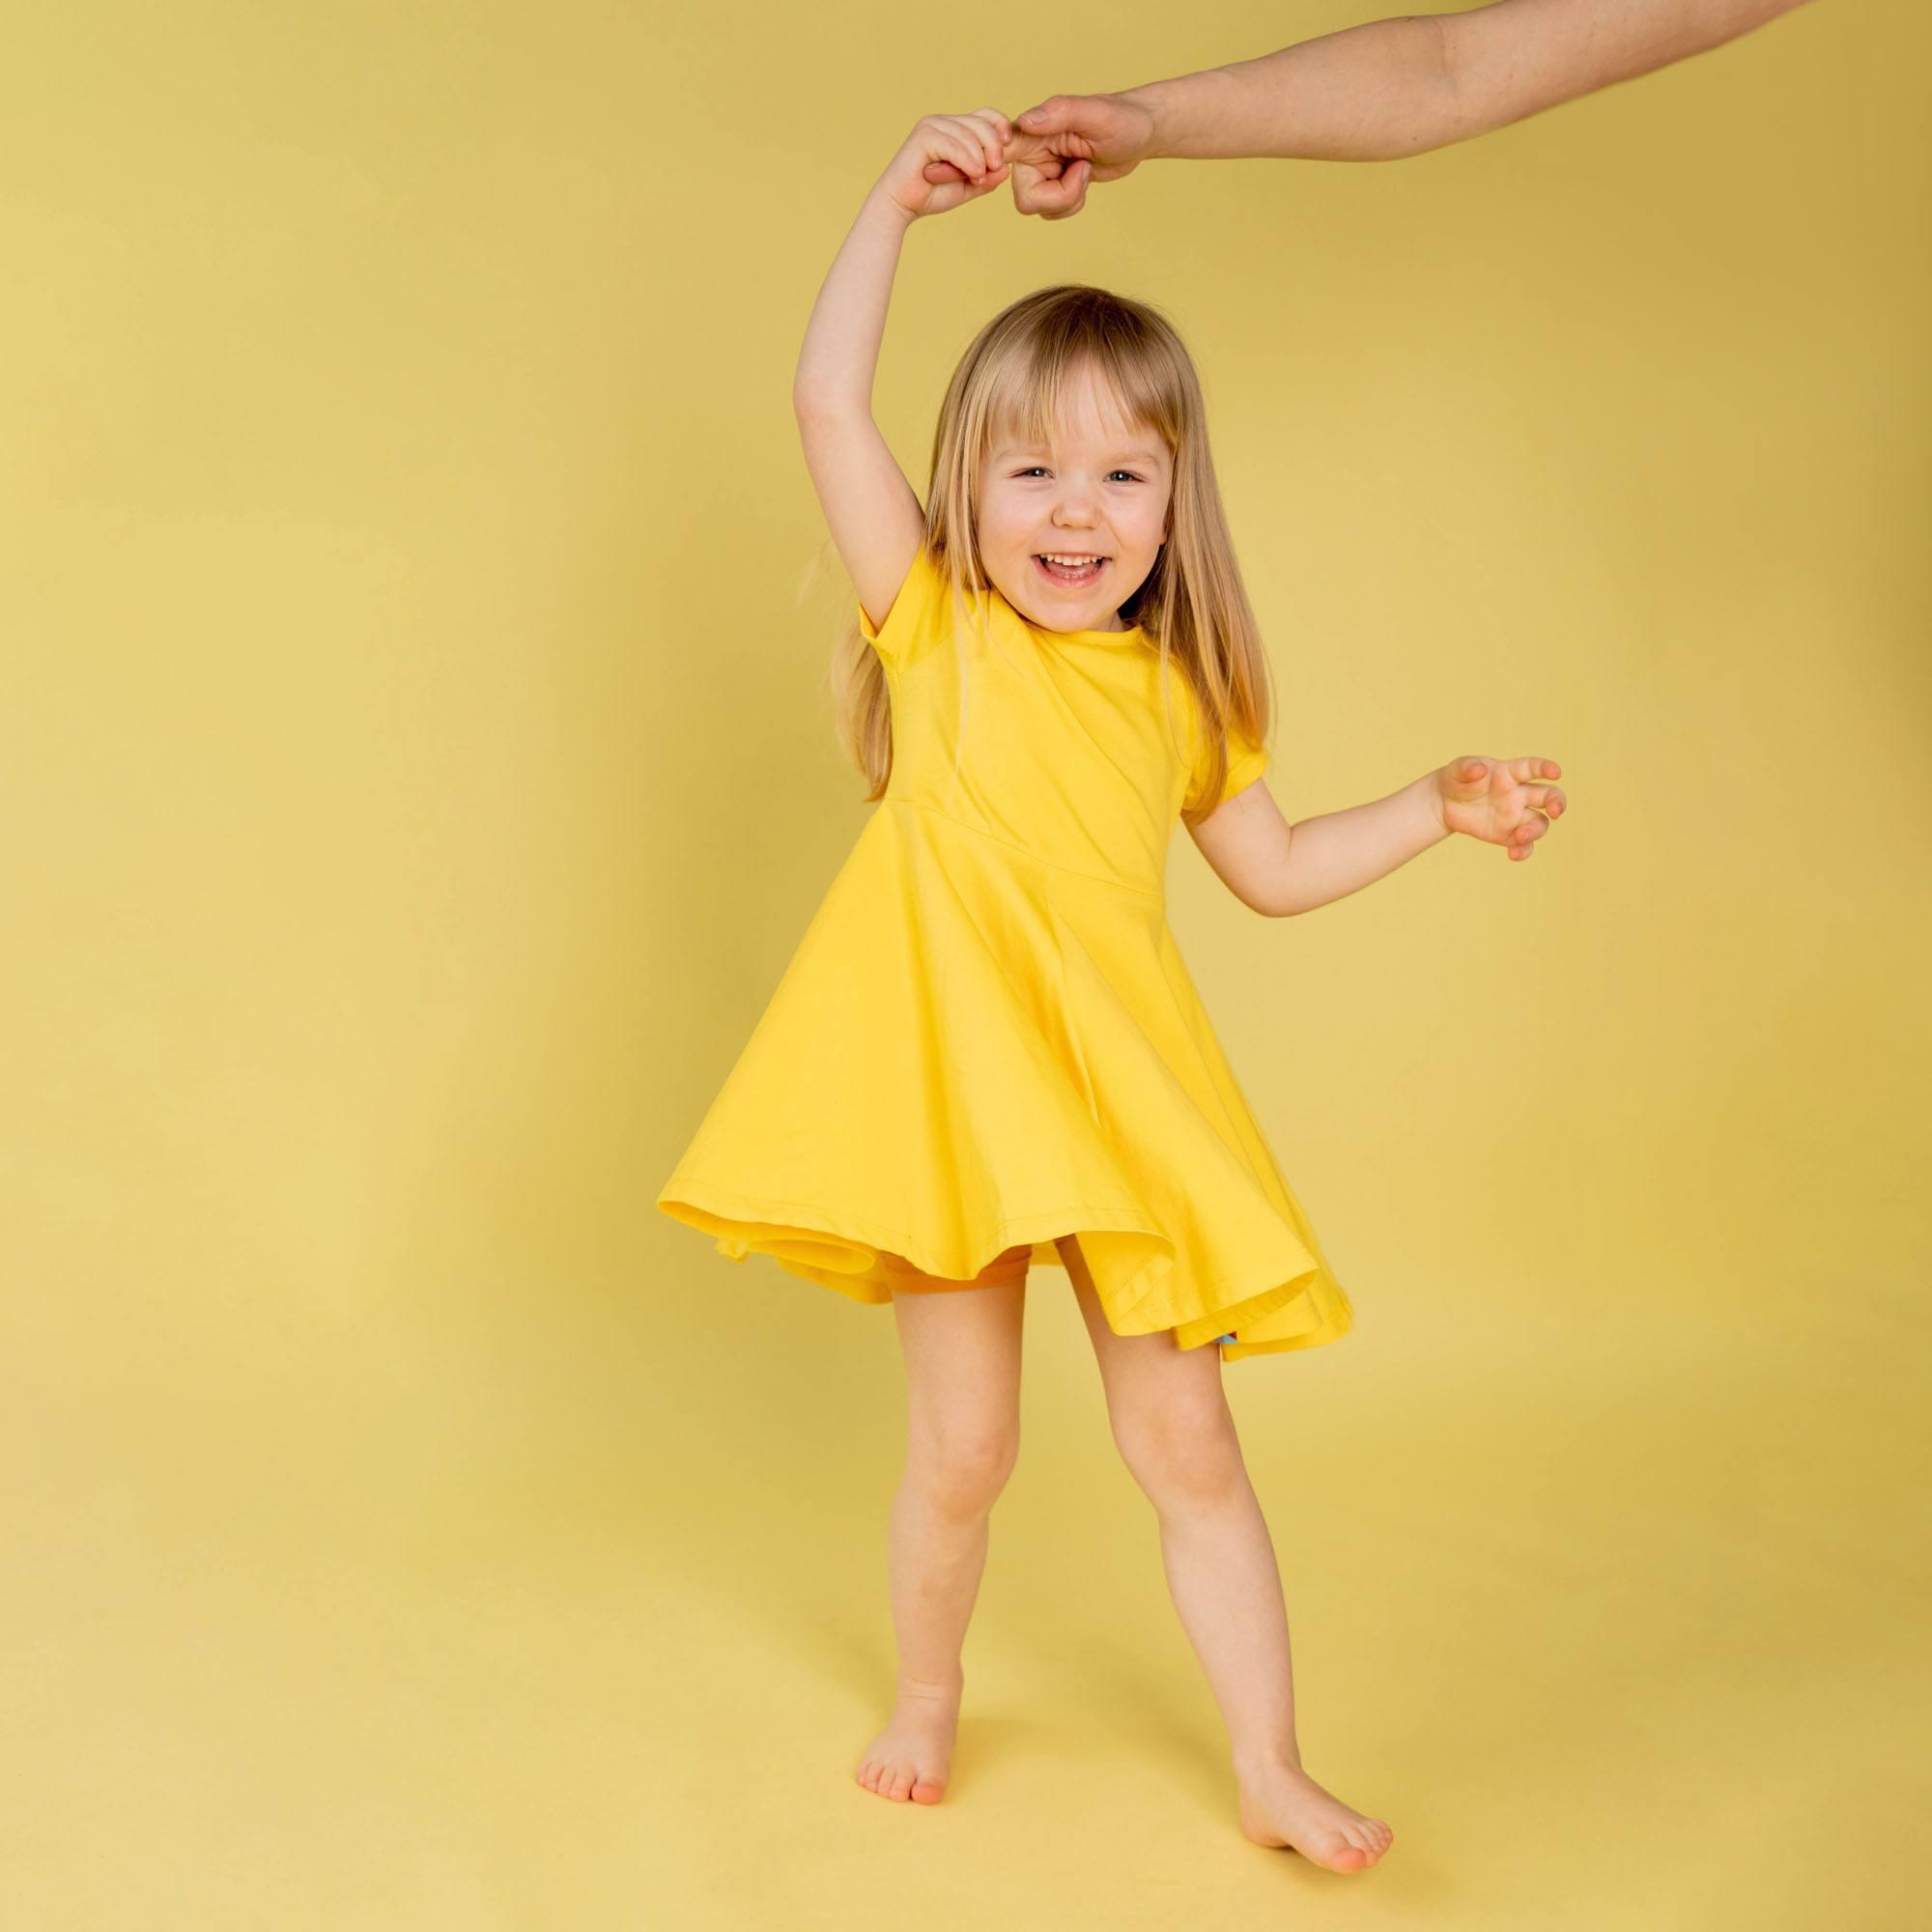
[
  {"x": 995, "y": 130},
  {"x": 965, "y": 153},
  {"x": 944, "y": 148},
  {"x": 971, "y": 160},
  {"x": 979, "y": 131},
  {"x": 999, "y": 131},
  {"x": 961, "y": 144}
]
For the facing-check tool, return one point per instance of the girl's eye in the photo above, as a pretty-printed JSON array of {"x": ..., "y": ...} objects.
[{"x": 1031, "y": 467}]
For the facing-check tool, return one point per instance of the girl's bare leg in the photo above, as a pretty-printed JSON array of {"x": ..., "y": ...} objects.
[
  {"x": 962, "y": 1362},
  {"x": 1171, "y": 1421}
]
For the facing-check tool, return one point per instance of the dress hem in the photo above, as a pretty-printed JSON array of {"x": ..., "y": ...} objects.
[{"x": 689, "y": 1201}]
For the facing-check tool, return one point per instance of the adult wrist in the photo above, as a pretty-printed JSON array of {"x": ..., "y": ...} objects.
[
  {"x": 1181, "y": 108},
  {"x": 1158, "y": 97}
]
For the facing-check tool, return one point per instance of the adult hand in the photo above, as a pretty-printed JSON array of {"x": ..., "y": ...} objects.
[{"x": 1072, "y": 139}]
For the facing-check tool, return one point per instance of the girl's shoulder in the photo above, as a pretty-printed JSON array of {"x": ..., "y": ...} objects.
[
  {"x": 920, "y": 611},
  {"x": 1246, "y": 757}
]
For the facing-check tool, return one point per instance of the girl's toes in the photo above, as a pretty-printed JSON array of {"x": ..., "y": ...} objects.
[
  {"x": 925, "y": 1792},
  {"x": 901, "y": 1782}
]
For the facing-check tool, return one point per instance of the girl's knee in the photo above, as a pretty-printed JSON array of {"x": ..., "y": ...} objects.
[
  {"x": 1190, "y": 1454},
  {"x": 963, "y": 1470}
]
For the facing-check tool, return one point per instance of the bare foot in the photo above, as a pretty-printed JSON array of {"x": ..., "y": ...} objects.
[
  {"x": 912, "y": 1757},
  {"x": 1281, "y": 1805}
]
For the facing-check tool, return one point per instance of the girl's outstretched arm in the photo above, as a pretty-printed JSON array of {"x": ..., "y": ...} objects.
[
  {"x": 1278, "y": 868},
  {"x": 874, "y": 512}
]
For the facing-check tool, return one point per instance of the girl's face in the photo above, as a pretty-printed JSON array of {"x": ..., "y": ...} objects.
[{"x": 1099, "y": 489}]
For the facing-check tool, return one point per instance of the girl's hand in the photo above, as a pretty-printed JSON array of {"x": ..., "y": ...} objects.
[
  {"x": 949, "y": 158},
  {"x": 1492, "y": 799}
]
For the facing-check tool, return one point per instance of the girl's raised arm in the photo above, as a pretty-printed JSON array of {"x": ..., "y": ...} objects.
[{"x": 873, "y": 513}]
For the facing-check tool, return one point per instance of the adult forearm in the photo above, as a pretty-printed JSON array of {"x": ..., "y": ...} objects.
[
  {"x": 1404, "y": 85},
  {"x": 840, "y": 354},
  {"x": 1368, "y": 94},
  {"x": 1514, "y": 58},
  {"x": 1339, "y": 852}
]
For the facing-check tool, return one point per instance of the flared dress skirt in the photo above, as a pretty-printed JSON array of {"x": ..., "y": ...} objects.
[{"x": 970, "y": 1049}]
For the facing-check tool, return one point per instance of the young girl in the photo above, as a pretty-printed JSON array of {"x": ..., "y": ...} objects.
[{"x": 986, "y": 1052}]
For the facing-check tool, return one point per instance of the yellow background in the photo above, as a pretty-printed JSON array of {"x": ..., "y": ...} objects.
[{"x": 416, "y": 775}]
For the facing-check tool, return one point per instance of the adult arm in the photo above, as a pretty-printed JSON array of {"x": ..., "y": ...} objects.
[{"x": 1372, "y": 92}]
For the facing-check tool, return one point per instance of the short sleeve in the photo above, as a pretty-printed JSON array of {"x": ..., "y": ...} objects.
[
  {"x": 914, "y": 612},
  {"x": 1247, "y": 760}
]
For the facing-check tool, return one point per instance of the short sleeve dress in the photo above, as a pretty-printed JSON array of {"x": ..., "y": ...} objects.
[{"x": 986, "y": 1036}]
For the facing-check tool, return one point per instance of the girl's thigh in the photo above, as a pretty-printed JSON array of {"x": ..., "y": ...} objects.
[
  {"x": 1151, "y": 1383},
  {"x": 961, "y": 1343}
]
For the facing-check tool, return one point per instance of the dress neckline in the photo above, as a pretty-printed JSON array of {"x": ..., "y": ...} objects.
[{"x": 1134, "y": 633}]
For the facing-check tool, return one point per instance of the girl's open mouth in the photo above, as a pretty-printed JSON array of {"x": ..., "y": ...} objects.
[{"x": 1061, "y": 573}]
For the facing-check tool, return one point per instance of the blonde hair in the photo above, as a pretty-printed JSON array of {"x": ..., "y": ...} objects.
[{"x": 1193, "y": 605}]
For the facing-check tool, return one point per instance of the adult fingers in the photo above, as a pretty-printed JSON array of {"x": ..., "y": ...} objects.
[
  {"x": 1053, "y": 199},
  {"x": 1055, "y": 114}
]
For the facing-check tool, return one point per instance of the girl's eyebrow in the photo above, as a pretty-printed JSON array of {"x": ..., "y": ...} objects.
[{"x": 1142, "y": 452}]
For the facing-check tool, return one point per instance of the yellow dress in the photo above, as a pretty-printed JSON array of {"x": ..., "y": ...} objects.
[{"x": 987, "y": 1035}]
